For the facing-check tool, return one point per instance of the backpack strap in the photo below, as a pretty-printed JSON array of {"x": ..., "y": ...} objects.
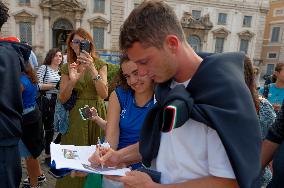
[{"x": 44, "y": 74}]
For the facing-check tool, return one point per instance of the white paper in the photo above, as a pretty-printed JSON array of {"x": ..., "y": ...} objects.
[{"x": 76, "y": 157}]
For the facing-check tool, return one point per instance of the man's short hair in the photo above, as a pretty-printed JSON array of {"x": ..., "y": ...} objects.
[
  {"x": 149, "y": 24},
  {"x": 279, "y": 67},
  {"x": 3, "y": 14}
]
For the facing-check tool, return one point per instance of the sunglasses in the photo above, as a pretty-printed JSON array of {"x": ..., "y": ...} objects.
[{"x": 76, "y": 41}]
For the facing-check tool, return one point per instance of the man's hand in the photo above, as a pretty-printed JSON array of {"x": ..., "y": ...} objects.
[
  {"x": 134, "y": 179},
  {"x": 107, "y": 157}
]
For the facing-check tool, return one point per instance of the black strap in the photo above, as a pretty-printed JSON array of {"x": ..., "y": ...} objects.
[
  {"x": 42, "y": 92},
  {"x": 44, "y": 74}
]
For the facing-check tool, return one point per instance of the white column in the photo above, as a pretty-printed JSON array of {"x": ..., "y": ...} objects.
[
  {"x": 46, "y": 29},
  {"x": 46, "y": 34},
  {"x": 78, "y": 24},
  {"x": 78, "y": 19}
]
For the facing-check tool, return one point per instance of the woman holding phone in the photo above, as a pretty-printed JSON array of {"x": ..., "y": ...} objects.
[{"x": 87, "y": 75}]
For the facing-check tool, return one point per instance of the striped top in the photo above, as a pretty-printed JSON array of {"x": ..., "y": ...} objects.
[{"x": 52, "y": 77}]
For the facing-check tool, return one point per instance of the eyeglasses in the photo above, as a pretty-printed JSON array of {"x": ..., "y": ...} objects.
[{"x": 76, "y": 41}]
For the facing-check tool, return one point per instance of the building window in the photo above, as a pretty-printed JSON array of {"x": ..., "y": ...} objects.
[
  {"x": 275, "y": 34},
  {"x": 26, "y": 32},
  {"x": 247, "y": 21},
  {"x": 222, "y": 19},
  {"x": 24, "y": 1},
  {"x": 219, "y": 45},
  {"x": 279, "y": 12},
  {"x": 196, "y": 14},
  {"x": 98, "y": 34},
  {"x": 244, "y": 46},
  {"x": 272, "y": 55},
  {"x": 99, "y": 6},
  {"x": 270, "y": 69},
  {"x": 195, "y": 43}
]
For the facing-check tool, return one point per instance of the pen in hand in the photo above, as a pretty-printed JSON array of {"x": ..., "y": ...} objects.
[{"x": 99, "y": 145}]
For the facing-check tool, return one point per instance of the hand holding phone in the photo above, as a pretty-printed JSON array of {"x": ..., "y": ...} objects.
[{"x": 86, "y": 112}]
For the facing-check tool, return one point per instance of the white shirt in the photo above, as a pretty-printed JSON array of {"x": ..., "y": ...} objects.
[
  {"x": 191, "y": 151},
  {"x": 51, "y": 77}
]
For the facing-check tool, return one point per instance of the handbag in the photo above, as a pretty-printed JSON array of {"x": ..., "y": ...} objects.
[
  {"x": 61, "y": 118},
  {"x": 61, "y": 113}
]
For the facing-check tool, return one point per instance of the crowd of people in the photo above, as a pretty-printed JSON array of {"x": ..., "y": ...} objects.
[{"x": 177, "y": 118}]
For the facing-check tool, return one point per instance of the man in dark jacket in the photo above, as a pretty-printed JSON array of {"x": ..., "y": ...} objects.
[
  {"x": 12, "y": 58},
  {"x": 273, "y": 148},
  {"x": 194, "y": 136}
]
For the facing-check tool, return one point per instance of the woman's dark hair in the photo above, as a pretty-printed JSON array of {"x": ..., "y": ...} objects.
[
  {"x": 119, "y": 79},
  {"x": 250, "y": 81},
  {"x": 50, "y": 55},
  {"x": 29, "y": 71}
]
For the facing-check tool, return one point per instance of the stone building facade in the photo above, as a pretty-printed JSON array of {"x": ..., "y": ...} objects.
[
  {"x": 209, "y": 25},
  {"x": 273, "y": 41}
]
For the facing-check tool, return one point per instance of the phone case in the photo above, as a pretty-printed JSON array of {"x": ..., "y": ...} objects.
[
  {"x": 85, "y": 112},
  {"x": 85, "y": 45}
]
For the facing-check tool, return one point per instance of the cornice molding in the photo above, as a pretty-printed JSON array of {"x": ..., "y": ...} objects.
[
  {"x": 246, "y": 35},
  {"x": 98, "y": 21},
  {"x": 24, "y": 16},
  {"x": 204, "y": 23},
  {"x": 221, "y": 32}
]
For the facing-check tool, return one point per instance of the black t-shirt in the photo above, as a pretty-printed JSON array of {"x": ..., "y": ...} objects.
[
  {"x": 278, "y": 169},
  {"x": 276, "y": 132},
  {"x": 12, "y": 58}
]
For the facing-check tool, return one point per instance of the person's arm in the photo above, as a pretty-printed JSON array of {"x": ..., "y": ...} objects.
[
  {"x": 100, "y": 122},
  {"x": 113, "y": 119},
  {"x": 274, "y": 138},
  {"x": 97, "y": 119},
  {"x": 66, "y": 87},
  {"x": 101, "y": 84},
  {"x": 22, "y": 88},
  {"x": 125, "y": 156},
  {"x": 136, "y": 179},
  {"x": 267, "y": 152},
  {"x": 68, "y": 82}
]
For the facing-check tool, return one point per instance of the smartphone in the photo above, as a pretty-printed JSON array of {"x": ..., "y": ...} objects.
[
  {"x": 85, "y": 112},
  {"x": 85, "y": 45},
  {"x": 59, "y": 173}
]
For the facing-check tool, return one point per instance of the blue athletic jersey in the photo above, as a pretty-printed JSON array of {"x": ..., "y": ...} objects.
[
  {"x": 275, "y": 95},
  {"x": 30, "y": 92},
  {"x": 131, "y": 117}
]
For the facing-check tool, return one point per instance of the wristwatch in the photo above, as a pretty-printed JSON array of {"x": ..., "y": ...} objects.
[{"x": 98, "y": 77}]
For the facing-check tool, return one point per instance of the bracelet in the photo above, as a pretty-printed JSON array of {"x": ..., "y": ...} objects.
[{"x": 98, "y": 77}]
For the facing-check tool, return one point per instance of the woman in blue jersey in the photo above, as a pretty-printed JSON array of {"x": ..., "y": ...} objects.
[
  {"x": 31, "y": 144},
  {"x": 128, "y": 105}
]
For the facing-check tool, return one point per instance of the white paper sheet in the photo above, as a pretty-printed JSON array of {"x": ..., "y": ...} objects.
[{"x": 76, "y": 157}]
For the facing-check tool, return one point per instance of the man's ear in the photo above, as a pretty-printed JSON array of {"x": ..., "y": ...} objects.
[{"x": 172, "y": 42}]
